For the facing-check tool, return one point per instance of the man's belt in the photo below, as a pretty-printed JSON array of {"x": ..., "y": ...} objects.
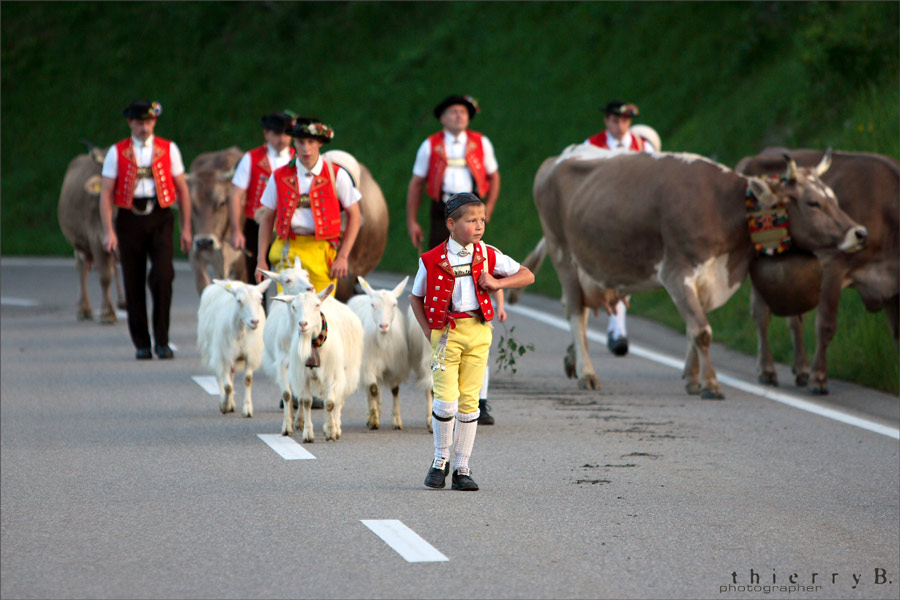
[
  {"x": 303, "y": 202},
  {"x": 143, "y": 206},
  {"x": 456, "y": 162},
  {"x": 144, "y": 172}
]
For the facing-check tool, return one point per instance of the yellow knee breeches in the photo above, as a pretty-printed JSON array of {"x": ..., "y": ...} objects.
[
  {"x": 316, "y": 257},
  {"x": 466, "y": 359}
]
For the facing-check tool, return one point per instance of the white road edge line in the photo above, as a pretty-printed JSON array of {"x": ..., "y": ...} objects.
[
  {"x": 10, "y": 301},
  {"x": 663, "y": 359},
  {"x": 208, "y": 383},
  {"x": 406, "y": 542},
  {"x": 287, "y": 448}
]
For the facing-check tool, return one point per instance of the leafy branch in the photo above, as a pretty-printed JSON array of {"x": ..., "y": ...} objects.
[{"x": 509, "y": 349}]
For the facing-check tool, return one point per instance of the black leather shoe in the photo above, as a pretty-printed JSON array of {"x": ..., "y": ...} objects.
[
  {"x": 463, "y": 483},
  {"x": 485, "y": 417},
  {"x": 437, "y": 476},
  {"x": 164, "y": 352},
  {"x": 618, "y": 346},
  {"x": 143, "y": 354}
]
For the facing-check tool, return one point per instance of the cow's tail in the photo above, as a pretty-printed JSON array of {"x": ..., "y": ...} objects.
[{"x": 533, "y": 261}]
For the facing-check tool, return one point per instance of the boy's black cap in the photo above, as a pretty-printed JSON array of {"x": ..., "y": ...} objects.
[
  {"x": 280, "y": 122},
  {"x": 142, "y": 109},
  {"x": 457, "y": 200}
]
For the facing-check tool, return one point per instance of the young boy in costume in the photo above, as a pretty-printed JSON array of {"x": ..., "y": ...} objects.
[{"x": 451, "y": 301}]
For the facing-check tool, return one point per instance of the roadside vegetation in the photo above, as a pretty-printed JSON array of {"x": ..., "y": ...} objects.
[{"x": 720, "y": 79}]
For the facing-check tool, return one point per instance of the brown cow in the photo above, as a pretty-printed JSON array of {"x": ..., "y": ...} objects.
[
  {"x": 78, "y": 212},
  {"x": 211, "y": 255},
  {"x": 636, "y": 222},
  {"x": 868, "y": 189}
]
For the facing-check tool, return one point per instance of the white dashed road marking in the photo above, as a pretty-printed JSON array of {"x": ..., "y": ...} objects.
[
  {"x": 287, "y": 448},
  {"x": 208, "y": 383},
  {"x": 406, "y": 542},
  {"x": 781, "y": 397},
  {"x": 9, "y": 301}
]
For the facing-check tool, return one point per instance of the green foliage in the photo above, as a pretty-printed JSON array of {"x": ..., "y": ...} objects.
[
  {"x": 722, "y": 79},
  {"x": 508, "y": 349}
]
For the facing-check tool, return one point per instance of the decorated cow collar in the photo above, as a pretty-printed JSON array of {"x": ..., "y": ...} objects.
[{"x": 768, "y": 225}]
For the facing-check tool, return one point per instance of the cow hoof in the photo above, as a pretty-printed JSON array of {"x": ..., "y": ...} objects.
[
  {"x": 589, "y": 382},
  {"x": 820, "y": 389},
  {"x": 693, "y": 388},
  {"x": 569, "y": 368},
  {"x": 768, "y": 378},
  {"x": 802, "y": 379},
  {"x": 85, "y": 315},
  {"x": 708, "y": 394},
  {"x": 108, "y": 318}
]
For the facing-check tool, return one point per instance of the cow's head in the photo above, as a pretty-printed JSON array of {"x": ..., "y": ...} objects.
[
  {"x": 210, "y": 192},
  {"x": 816, "y": 221}
]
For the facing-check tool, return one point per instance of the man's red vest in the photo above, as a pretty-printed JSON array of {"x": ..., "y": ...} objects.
[
  {"x": 599, "y": 140},
  {"x": 160, "y": 166},
  {"x": 260, "y": 170},
  {"x": 326, "y": 208},
  {"x": 438, "y": 163},
  {"x": 439, "y": 282}
]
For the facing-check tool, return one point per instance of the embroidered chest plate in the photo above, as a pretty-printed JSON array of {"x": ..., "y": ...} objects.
[{"x": 462, "y": 270}]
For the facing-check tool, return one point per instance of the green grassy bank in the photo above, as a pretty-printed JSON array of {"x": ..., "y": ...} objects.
[{"x": 719, "y": 79}]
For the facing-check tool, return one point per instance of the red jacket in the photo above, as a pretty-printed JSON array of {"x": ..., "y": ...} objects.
[
  {"x": 438, "y": 163},
  {"x": 160, "y": 166},
  {"x": 599, "y": 140},
  {"x": 260, "y": 170},
  {"x": 323, "y": 201},
  {"x": 439, "y": 282}
]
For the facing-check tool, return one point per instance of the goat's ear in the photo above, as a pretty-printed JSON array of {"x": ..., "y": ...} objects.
[
  {"x": 286, "y": 298},
  {"x": 400, "y": 287},
  {"x": 222, "y": 283},
  {"x": 326, "y": 292},
  {"x": 365, "y": 286},
  {"x": 263, "y": 285}
]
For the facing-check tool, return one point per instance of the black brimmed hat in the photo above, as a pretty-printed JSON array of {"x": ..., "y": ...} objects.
[
  {"x": 142, "y": 109},
  {"x": 617, "y": 107},
  {"x": 279, "y": 122},
  {"x": 308, "y": 127},
  {"x": 457, "y": 200},
  {"x": 469, "y": 102}
]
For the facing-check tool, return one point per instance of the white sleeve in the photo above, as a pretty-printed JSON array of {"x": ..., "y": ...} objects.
[
  {"x": 241, "y": 177},
  {"x": 423, "y": 156},
  {"x": 504, "y": 265},
  {"x": 111, "y": 163},
  {"x": 490, "y": 159},
  {"x": 418, "y": 288},
  {"x": 347, "y": 194},
  {"x": 269, "y": 197},
  {"x": 177, "y": 163}
]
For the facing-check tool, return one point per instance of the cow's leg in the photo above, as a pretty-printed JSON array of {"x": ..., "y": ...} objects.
[
  {"x": 120, "y": 295},
  {"x": 577, "y": 314},
  {"x": 765, "y": 364},
  {"x": 106, "y": 268},
  {"x": 691, "y": 373},
  {"x": 429, "y": 407},
  {"x": 85, "y": 313},
  {"x": 374, "y": 403},
  {"x": 398, "y": 420},
  {"x": 569, "y": 362},
  {"x": 800, "y": 367},
  {"x": 247, "y": 410},
  {"x": 826, "y": 324}
]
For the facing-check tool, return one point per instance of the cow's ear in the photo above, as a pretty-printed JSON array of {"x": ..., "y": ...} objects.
[{"x": 762, "y": 191}]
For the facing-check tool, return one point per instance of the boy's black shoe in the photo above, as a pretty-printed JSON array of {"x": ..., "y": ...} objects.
[
  {"x": 618, "y": 346},
  {"x": 463, "y": 482},
  {"x": 437, "y": 474},
  {"x": 485, "y": 417}
]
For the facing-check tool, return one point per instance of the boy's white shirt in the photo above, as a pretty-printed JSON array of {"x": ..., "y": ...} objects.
[{"x": 463, "y": 297}]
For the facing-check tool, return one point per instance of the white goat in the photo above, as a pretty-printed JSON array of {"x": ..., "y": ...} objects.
[
  {"x": 280, "y": 326},
  {"x": 385, "y": 351},
  {"x": 230, "y": 324},
  {"x": 420, "y": 362},
  {"x": 325, "y": 359}
]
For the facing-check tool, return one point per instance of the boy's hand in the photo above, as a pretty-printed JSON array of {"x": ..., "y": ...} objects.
[
  {"x": 488, "y": 282},
  {"x": 501, "y": 314}
]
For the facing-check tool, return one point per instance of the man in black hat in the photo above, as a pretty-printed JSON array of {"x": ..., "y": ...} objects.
[
  {"x": 143, "y": 175},
  {"x": 303, "y": 202},
  {"x": 451, "y": 161},
  {"x": 617, "y": 137},
  {"x": 250, "y": 178}
]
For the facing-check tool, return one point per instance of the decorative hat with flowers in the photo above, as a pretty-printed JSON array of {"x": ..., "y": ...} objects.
[
  {"x": 312, "y": 128},
  {"x": 142, "y": 109}
]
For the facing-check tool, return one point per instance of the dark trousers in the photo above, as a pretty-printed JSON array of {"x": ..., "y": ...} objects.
[
  {"x": 140, "y": 237},
  {"x": 439, "y": 232},
  {"x": 251, "y": 241}
]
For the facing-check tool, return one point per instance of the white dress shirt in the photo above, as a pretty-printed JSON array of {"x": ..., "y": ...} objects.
[
  {"x": 143, "y": 155},
  {"x": 463, "y": 297},
  {"x": 302, "y": 222},
  {"x": 456, "y": 179},
  {"x": 624, "y": 144},
  {"x": 277, "y": 159}
]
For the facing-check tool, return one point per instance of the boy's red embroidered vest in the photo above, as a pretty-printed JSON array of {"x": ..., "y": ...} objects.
[
  {"x": 439, "y": 282},
  {"x": 438, "y": 163},
  {"x": 160, "y": 166},
  {"x": 260, "y": 170},
  {"x": 323, "y": 202},
  {"x": 599, "y": 140}
]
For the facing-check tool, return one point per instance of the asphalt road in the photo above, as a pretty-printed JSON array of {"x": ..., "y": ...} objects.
[{"x": 122, "y": 479}]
